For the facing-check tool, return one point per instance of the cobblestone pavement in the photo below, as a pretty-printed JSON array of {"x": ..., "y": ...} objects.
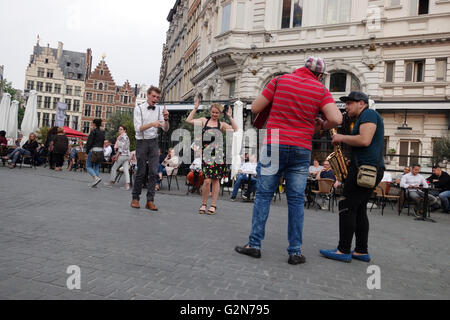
[{"x": 52, "y": 220}]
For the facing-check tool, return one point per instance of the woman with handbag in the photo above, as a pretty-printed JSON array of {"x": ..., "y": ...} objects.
[{"x": 94, "y": 148}]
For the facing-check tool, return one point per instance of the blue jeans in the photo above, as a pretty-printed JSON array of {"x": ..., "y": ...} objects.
[
  {"x": 18, "y": 152},
  {"x": 294, "y": 163},
  {"x": 92, "y": 168},
  {"x": 444, "y": 200},
  {"x": 240, "y": 179}
]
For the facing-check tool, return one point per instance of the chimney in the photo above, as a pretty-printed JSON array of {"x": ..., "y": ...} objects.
[
  {"x": 88, "y": 63},
  {"x": 60, "y": 50}
]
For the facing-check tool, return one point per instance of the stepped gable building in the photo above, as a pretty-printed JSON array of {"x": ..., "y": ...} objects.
[
  {"x": 57, "y": 75},
  {"x": 103, "y": 97},
  {"x": 397, "y": 51}
]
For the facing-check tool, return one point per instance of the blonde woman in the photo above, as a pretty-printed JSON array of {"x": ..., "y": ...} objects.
[
  {"x": 121, "y": 158},
  {"x": 212, "y": 170}
]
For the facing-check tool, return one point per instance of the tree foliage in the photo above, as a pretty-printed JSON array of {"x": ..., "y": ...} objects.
[
  {"x": 8, "y": 87},
  {"x": 121, "y": 119},
  {"x": 442, "y": 149},
  {"x": 42, "y": 134}
]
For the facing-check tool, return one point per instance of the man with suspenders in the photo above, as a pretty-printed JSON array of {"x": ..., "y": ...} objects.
[{"x": 148, "y": 117}]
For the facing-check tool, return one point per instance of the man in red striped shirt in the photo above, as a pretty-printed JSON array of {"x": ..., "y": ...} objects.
[{"x": 297, "y": 99}]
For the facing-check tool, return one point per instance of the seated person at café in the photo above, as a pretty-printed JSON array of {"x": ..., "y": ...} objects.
[
  {"x": 107, "y": 150},
  {"x": 441, "y": 181},
  {"x": 315, "y": 168},
  {"x": 413, "y": 182},
  {"x": 247, "y": 168},
  {"x": 399, "y": 177},
  {"x": 3, "y": 141},
  {"x": 73, "y": 154},
  {"x": 170, "y": 163},
  {"x": 28, "y": 149},
  {"x": 195, "y": 176},
  {"x": 327, "y": 173}
]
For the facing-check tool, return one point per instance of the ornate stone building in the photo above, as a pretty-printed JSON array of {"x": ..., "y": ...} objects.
[
  {"x": 397, "y": 51},
  {"x": 57, "y": 75},
  {"x": 103, "y": 97}
]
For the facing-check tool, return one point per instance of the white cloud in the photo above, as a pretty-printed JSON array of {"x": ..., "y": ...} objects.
[{"x": 131, "y": 33}]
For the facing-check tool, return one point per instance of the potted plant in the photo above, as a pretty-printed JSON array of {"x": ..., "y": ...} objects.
[
  {"x": 392, "y": 152},
  {"x": 442, "y": 151}
]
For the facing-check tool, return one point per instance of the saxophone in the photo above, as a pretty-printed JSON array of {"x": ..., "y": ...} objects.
[{"x": 337, "y": 161}]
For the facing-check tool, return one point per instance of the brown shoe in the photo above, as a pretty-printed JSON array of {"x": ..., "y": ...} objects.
[
  {"x": 151, "y": 206},
  {"x": 135, "y": 204}
]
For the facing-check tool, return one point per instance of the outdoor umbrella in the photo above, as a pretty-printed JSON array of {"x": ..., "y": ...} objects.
[
  {"x": 4, "y": 111},
  {"x": 30, "y": 120},
  {"x": 12, "y": 123},
  {"x": 237, "y": 138},
  {"x": 71, "y": 133}
]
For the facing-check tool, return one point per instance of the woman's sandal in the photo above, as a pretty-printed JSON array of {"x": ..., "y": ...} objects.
[
  {"x": 212, "y": 212},
  {"x": 200, "y": 211}
]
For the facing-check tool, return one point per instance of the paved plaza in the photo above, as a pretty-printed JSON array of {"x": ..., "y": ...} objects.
[{"x": 51, "y": 220}]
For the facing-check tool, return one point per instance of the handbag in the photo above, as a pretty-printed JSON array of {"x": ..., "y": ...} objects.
[
  {"x": 367, "y": 176},
  {"x": 262, "y": 117},
  {"x": 97, "y": 156}
]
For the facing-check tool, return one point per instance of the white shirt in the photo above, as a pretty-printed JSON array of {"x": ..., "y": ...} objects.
[
  {"x": 313, "y": 169},
  {"x": 410, "y": 180},
  {"x": 196, "y": 164},
  {"x": 249, "y": 168},
  {"x": 143, "y": 116},
  {"x": 107, "y": 151}
]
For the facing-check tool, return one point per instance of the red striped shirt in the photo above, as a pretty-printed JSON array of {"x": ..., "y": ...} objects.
[{"x": 298, "y": 100}]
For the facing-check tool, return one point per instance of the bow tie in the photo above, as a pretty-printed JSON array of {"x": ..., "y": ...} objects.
[{"x": 151, "y": 108}]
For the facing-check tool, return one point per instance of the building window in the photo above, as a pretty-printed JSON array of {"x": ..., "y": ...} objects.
[
  {"x": 57, "y": 88},
  {"x": 87, "y": 110},
  {"x": 226, "y": 15},
  {"x": 55, "y": 103},
  {"x": 69, "y": 104},
  {"x": 125, "y": 99},
  {"x": 100, "y": 86},
  {"x": 418, "y": 7},
  {"x": 46, "y": 60},
  {"x": 441, "y": 69},
  {"x": 39, "y": 86},
  {"x": 30, "y": 85},
  {"x": 390, "y": 66},
  {"x": 110, "y": 98},
  {"x": 41, "y": 72},
  {"x": 49, "y": 73},
  {"x": 98, "y": 111},
  {"x": 39, "y": 101},
  {"x": 75, "y": 122},
  {"x": 106, "y": 87},
  {"x": 68, "y": 64},
  {"x": 102, "y": 72},
  {"x": 78, "y": 91},
  {"x": 342, "y": 82},
  {"x": 86, "y": 126},
  {"x": 108, "y": 112},
  {"x": 76, "y": 105},
  {"x": 89, "y": 96},
  {"x": 395, "y": 3},
  {"x": 48, "y": 87},
  {"x": 414, "y": 71},
  {"x": 53, "y": 119},
  {"x": 99, "y": 97},
  {"x": 39, "y": 118},
  {"x": 47, "y": 102},
  {"x": 69, "y": 90},
  {"x": 292, "y": 14},
  {"x": 338, "y": 11},
  {"x": 45, "y": 119},
  {"x": 409, "y": 153},
  {"x": 231, "y": 88},
  {"x": 95, "y": 85},
  {"x": 67, "y": 120}
]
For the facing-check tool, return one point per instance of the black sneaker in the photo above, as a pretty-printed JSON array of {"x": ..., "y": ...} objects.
[
  {"x": 295, "y": 259},
  {"x": 252, "y": 252}
]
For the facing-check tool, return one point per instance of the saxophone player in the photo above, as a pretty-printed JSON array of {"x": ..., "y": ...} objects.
[{"x": 366, "y": 148}]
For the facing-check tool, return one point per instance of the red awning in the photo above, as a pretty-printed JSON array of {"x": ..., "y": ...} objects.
[{"x": 74, "y": 133}]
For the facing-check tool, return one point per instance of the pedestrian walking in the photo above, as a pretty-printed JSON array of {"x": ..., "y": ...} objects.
[
  {"x": 214, "y": 166},
  {"x": 121, "y": 158},
  {"x": 366, "y": 149},
  {"x": 60, "y": 145},
  {"x": 94, "y": 148},
  {"x": 148, "y": 117},
  {"x": 297, "y": 99}
]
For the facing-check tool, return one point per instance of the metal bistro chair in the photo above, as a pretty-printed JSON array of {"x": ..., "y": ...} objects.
[
  {"x": 170, "y": 176},
  {"x": 383, "y": 196},
  {"x": 81, "y": 161},
  {"x": 325, "y": 190}
]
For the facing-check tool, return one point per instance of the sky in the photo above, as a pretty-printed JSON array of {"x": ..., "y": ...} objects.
[{"x": 131, "y": 33}]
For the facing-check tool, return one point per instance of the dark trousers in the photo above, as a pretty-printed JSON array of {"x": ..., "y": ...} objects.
[
  {"x": 353, "y": 213},
  {"x": 146, "y": 151},
  {"x": 58, "y": 158}
]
